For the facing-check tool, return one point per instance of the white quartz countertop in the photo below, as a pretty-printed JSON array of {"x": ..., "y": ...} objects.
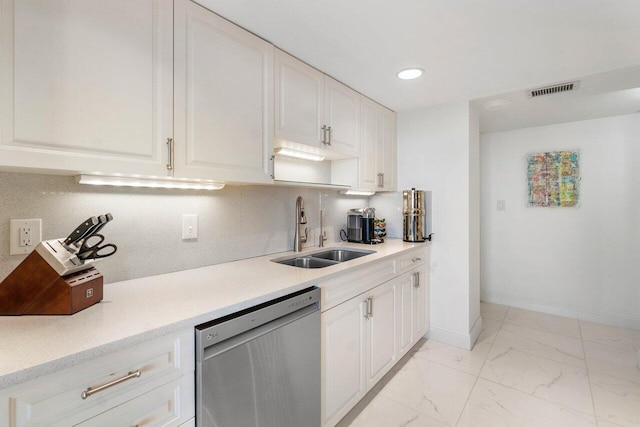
[{"x": 136, "y": 310}]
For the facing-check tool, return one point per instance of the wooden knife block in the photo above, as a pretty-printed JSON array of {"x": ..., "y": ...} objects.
[{"x": 34, "y": 287}]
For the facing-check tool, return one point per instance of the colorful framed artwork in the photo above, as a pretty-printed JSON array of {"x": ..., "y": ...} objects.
[{"x": 553, "y": 179}]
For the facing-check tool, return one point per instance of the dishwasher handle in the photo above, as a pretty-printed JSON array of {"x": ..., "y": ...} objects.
[{"x": 206, "y": 352}]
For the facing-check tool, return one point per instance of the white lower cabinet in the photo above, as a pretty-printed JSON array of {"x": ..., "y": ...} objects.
[
  {"x": 420, "y": 301},
  {"x": 366, "y": 335},
  {"x": 343, "y": 359},
  {"x": 148, "y": 384},
  {"x": 406, "y": 294},
  {"x": 381, "y": 332}
]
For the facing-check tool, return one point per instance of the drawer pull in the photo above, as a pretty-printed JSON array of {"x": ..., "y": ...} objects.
[
  {"x": 416, "y": 259},
  {"x": 91, "y": 390}
]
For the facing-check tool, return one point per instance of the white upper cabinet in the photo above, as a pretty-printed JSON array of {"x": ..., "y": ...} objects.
[
  {"x": 368, "y": 145},
  {"x": 86, "y": 85},
  {"x": 313, "y": 109},
  {"x": 223, "y": 98},
  {"x": 377, "y": 161},
  {"x": 299, "y": 101},
  {"x": 342, "y": 107},
  {"x": 386, "y": 150}
]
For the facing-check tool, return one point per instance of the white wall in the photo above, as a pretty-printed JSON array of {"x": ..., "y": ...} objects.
[
  {"x": 233, "y": 223},
  {"x": 435, "y": 152},
  {"x": 581, "y": 262}
]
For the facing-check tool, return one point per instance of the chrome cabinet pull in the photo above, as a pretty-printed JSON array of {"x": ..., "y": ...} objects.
[
  {"x": 329, "y": 132},
  {"x": 416, "y": 283},
  {"x": 416, "y": 259},
  {"x": 92, "y": 390},
  {"x": 369, "y": 308},
  {"x": 170, "y": 158},
  {"x": 272, "y": 166},
  {"x": 381, "y": 180},
  {"x": 324, "y": 134}
]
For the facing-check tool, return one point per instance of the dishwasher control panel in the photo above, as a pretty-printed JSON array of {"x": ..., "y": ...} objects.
[{"x": 230, "y": 326}]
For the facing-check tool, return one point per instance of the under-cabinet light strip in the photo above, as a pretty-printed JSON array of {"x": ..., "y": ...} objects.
[
  {"x": 358, "y": 192},
  {"x": 290, "y": 152},
  {"x": 123, "y": 181}
]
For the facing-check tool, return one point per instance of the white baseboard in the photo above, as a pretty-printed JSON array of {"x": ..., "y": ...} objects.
[
  {"x": 574, "y": 312},
  {"x": 456, "y": 339}
]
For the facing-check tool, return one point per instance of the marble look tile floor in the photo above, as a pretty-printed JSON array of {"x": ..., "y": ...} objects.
[{"x": 526, "y": 369}]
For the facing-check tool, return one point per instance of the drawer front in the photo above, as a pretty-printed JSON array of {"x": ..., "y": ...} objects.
[
  {"x": 346, "y": 286},
  {"x": 47, "y": 400},
  {"x": 169, "y": 405},
  {"x": 412, "y": 259}
]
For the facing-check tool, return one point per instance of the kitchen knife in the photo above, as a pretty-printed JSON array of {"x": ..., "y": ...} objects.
[
  {"x": 107, "y": 218},
  {"x": 80, "y": 244},
  {"x": 81, "y": 230}
]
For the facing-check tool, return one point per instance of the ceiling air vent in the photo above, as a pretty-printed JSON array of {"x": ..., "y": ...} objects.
[{"x": 550, "y": 90}]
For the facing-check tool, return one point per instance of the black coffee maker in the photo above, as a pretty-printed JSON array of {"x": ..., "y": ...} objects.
[{"x": 360, "y": 225}]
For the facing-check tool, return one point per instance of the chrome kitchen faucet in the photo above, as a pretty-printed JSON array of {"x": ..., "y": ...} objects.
[{"x": 301, "y": 220}]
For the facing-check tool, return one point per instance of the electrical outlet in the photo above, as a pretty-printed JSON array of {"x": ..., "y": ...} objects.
[
  {"x": 25, "y": 234},
  {"x": 501, "y": 205},
  {"x": 189, "y": 226}
]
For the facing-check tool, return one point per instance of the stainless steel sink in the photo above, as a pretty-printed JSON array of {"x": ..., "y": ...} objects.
[
  {"x": 324, "y": 258},
  {"x": 341, "y": 255},
  {"x": 307, "y": 262}
]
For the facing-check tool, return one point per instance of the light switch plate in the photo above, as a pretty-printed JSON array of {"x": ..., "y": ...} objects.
[
  {"x": 189, "y": 226},
  {"x": 25, "y": 234}
]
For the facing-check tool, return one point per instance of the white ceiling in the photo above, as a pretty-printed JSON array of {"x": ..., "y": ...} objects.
[
  {"x": 602, "y": 95},
  {"x": 469, "y": 48}
]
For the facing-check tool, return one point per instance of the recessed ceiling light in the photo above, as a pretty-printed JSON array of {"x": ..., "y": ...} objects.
[
  {"x": 410, "y": 73},
  {"x": 496, "y": 104}
]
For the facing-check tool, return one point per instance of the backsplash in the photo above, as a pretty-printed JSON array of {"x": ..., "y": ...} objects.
[{"x": 234, "y": 223}]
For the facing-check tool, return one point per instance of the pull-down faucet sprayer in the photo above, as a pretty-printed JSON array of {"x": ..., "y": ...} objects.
[{"x": 301, "y": 220}]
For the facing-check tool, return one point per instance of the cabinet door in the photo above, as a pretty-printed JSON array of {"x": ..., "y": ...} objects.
[
  {"x": 342, "y": 359},
  {"x": 86, "y": 85},
  {"x": 386, "y": 158},
  {"x": 368, "y": 167},
  {"x": 406, "y": 333},
  {"x": 299, "y": 93},
  {"x": 342, "y": 105},
  {"x": 224, "y": 98},
  {"x": 420, "y": 289},
  {"x": 381, "y": 338}
]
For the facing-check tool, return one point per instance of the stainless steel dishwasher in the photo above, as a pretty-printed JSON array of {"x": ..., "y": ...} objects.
[{"x": 261, "y": 367}]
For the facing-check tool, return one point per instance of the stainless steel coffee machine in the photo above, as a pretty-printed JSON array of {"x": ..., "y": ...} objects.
[
  {"x": 360, "y": 226},
  {"x": 416, "y": 222}
]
